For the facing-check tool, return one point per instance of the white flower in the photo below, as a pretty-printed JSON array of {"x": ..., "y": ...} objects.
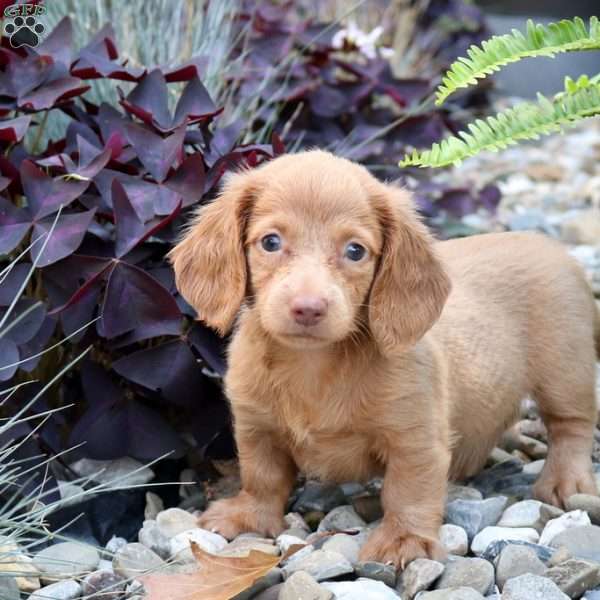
[{"x": 365, "y": 42}]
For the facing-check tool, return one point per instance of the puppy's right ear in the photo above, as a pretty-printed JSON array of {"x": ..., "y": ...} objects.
[{"x": 209, "y": 261}]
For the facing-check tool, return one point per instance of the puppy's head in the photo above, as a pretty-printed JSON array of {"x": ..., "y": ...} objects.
[{"x": 320, "y": 249}]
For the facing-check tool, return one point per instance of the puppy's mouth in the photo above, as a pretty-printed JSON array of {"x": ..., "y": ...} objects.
[
  {"x": 304, "y": 336},
  {"x": 303, "y": 339}
]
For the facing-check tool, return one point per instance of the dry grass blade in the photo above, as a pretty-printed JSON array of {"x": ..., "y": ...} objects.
[{"x": 217, "y": 578}]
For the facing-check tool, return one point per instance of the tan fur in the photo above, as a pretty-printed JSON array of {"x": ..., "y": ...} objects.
[{"x": 384, "y": 384}]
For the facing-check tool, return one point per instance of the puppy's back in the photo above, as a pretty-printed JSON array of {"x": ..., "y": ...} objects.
[{"x": 520, "y": 270}]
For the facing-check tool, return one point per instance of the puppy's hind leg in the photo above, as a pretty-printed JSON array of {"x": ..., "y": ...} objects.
[{"x": 568, "y": 407}]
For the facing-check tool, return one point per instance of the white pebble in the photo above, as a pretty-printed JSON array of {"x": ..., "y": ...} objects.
[
  {"x": 492, "y": 534},
  {"x": 575, "y": 518}
]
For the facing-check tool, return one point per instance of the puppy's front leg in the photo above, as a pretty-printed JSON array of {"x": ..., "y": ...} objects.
[
  {"x": 268, "y": 474},
  {"x": 413, "y": 497}
]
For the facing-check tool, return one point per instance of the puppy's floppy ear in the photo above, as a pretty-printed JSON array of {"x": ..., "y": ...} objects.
[
  {"x": 209, "y": 261},
  {"x": 410, "y": 285}
]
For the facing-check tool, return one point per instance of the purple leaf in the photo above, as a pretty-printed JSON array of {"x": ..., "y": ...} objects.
[
  {"x": 14, "y": 223},
  {"x": 65, "y": 239},
  {"x": 170, "y": 369},
  {"x": 125, "y": 428},
  {"x": 9, "y": 354},
  {"x": 58, "y": 43},
  {"x": 194, "y": 104},
  {"x": 12, "y": 235},
  {"x": 78, "y": 129},
  {"x": 45, "y": 194},
  {"x": 65, "y": 280},
  {"x": 23, "y": 75},
  {"x": 157, "y": 154},
  {"x": 115, "y": 143},
  {"x": 10, "y": 284},
  {"x": 131, "y": 231},
  {"x": 489, "y": 197},
  {"x": 188, "y": 180},
  {"x": 135, "y": 300},
  {"x": 210, "y": 346},
  {"x": 82, "y": 310},
  {"x": 421, "y": 131},
  {"x": 110, "y": 121},
  {"x": 92, "y": 66},
  {"x": 86, "y": 149},
  {"x": 458, "y": 202},
  {"x": 52, "y": 93},
  {"x": 103, "y": 43},
  {"x": 27, "y": 326},
  {"x": 13, "y": 130},
  {"x": 184, "y": 72},
  {"x": 149, "y": 101},
  {"x": 214, "y": 417},
  {"x": 36, "y": 344},
  {"x": 74, "y": 286},
  {"x": 223, "y": 141},
  {"x": 114, "y": 427},
  {"x": 98, "y": 59},
  {"x": 148, "y": 198},
  {"x": 328, "y": 101},
  {"x": 91, "y": 159}
]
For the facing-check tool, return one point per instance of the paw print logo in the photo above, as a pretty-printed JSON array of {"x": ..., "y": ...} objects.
[{"x": 24, "y": 32}]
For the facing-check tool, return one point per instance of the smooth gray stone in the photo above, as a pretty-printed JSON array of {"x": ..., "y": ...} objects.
[
  {"x": 361, "y": 589},
  {"x": 581, "y": 542},
  {"x": 268, "y": 581},
  {"x": 532, "y": 587},
  {"x": 317, "y": 496},
  {"x": 66, "y": 559},
  {"x": 320, "y": 564},
  {"x": 106, "y": 584},
  {"x": 544, "y": 553},
  {"x": 62, "y": 590},
  {"x": 377, "y": 571},
  {"x": 475, "y": 515},
  {"x": 134, "y": 559},
  {"x": 475, "y": 573},
  {"x": 418, "y": 576},
  {"x": 341, "y": 518},
  {"x": 456, "y": 593},
  {"x": 517, "y": 560},
  {"x": 301, "y": 585}
]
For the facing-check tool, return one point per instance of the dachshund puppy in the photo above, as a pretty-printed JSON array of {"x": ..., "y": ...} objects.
[{"x": 363, "y": 347}]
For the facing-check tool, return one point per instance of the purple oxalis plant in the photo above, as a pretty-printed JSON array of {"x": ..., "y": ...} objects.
[
  {"x": 123, "y": 180},
  {"x": 116, "y": 189}
]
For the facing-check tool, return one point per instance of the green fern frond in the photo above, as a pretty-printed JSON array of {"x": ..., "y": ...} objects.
[
  {"x": 565, "y": 36},
  {"x": 583, "y": 81},
  {"x": 525, "y": 121}
]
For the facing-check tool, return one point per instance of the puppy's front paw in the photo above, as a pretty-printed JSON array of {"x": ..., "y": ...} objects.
[
  {"x": 389, "y": 543},
  {"x": 243, "y": 513},
  {"x": 557, "y": 483}
]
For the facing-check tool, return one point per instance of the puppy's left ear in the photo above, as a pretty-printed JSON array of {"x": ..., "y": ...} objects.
[{"x": 410, "y": 286}]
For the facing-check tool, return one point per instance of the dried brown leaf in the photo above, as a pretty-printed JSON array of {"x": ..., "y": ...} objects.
[{"x": 217, "y": 577}]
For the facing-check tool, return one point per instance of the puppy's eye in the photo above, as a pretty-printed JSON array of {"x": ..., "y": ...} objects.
[
  {"x": 271, "y": 242},
  {"x": 355, "y": 252}
]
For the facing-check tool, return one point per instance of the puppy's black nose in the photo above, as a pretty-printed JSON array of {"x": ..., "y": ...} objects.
[{"x": 308, "y": 310}]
